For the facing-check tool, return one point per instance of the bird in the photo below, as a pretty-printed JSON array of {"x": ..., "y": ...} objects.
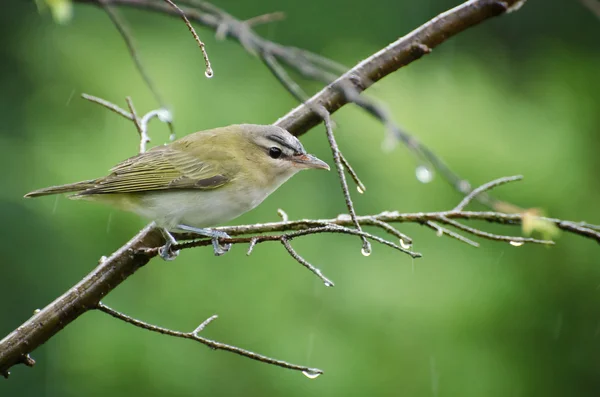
[{"x": 198, "y": 181}]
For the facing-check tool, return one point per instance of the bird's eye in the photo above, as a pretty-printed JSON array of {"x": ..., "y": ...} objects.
[{"x": 275, "y": 152}]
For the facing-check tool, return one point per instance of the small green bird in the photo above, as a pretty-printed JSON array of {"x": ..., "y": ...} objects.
[{"x": 199, "y": 181}]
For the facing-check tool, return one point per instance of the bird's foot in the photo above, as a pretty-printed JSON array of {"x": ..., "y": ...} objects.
[
  {"x": 218, "y": 248},
  {"x": 215, "y": 235},
  {"x": 166, "y": 252}
]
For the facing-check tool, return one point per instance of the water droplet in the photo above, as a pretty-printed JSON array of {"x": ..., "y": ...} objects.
[
  {"x": 311, "y": 374},
  {"x": 36, "y": 311},
  {"x": 360, "y": 189},
  {"x": 366, "y": 250},
  {"x": 424, "y": 174},
  {"x": 439, "y": 233},
  {"x": 405, "y": 244},
  {"x": 209, "y": 73},
  {"x": 328, "y": 284},
  {"x": 516, "y": 243}
]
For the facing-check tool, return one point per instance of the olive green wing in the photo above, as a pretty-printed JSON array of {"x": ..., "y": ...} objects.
[{"x": 159, "y": 169}]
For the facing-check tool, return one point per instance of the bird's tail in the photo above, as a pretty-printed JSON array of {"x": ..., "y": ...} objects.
[{"x": 69, "y": 188}]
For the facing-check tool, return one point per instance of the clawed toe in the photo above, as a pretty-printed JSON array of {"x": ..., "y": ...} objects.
[
  {"x": 167, "y": 253},
  {"x": 218, "y": 248}
]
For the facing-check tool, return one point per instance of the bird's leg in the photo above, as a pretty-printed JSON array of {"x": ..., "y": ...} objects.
[
  {"x": 215, "y": 235},
  {"x": 165, "y": 251}
]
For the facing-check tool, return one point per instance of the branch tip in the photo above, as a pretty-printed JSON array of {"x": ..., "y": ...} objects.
[
  {"x": 203, "y": 325},
  {"x": 485, "y": 187},
  {"x": 208, "y": 72},
  {"x": 285, "y": 241}
]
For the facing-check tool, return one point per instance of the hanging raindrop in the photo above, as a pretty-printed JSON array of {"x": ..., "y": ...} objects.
[
  {"x": 404, "y": 244},
  {"x": 311, "y": 374},
  {"x": 424, "y": 174}
]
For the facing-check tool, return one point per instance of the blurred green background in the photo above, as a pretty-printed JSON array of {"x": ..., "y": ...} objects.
[{"x": 517, "y": 95}]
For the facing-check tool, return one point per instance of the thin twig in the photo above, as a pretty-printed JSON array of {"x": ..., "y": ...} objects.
[
  {"x": 144, "y": 138},
  {"x": 496, "y": 237},
  {"x": 440, "y": 231},
  {"x": 359, "y": 185},
  {"x": 286, "y": 243},
  {"x": 204, "y": 324},
  {"x": 404, "y": 239},
  {"x": 366, "y": 248},
  {"x": 593, "y": 6},
  {"x": 333, "y": 228},
  {"x": 209, "y": 72},
  {"x": 283, "y": 77},
  {"x": 265, "y": 18},
  {"x": 282, "y": 214},
  {"x": 488, "y": 186},
  {"x": 205, "y": 341},
  {"x": 110, "y": 106},
  {"x": 121, "y": 27}
]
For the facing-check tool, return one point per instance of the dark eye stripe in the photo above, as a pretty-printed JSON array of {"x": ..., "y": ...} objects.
[{"x": 284, "y": 143}]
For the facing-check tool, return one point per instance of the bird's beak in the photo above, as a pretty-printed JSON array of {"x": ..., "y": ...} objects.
[{"x": 310, "y": 161}]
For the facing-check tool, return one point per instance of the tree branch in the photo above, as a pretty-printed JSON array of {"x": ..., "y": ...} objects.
[
  {"x": 86, "y": 295},
  {"x": 194, "y": 335}
]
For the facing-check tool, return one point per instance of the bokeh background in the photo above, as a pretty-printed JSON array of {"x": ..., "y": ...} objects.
[{"x": 517, "y": 95}]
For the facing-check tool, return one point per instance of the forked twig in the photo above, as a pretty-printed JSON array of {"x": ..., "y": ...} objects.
[
  {"x": 488, "y": 186},
  {"x": 194, "y": 335},
  {"x": 366, "y": 247}
]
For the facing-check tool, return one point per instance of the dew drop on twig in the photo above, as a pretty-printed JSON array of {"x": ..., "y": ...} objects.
[
  {"x": 360, "y": 189},
  {"x": 516, "y": 243},
  {"x": 439, "y": 233},
  {"x": 424, "y": 174},
  {"x": 404, "y": 244},
  {"x": 366, "y": 250},
  {"x": 311, "y": 374},
  {"x": 209, "y": 73}
]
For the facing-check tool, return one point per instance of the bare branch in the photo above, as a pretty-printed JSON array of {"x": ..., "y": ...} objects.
[
  {"x": 141, "y": 125},
  {"x": 209, "y": 72},
  {"x": 205, "y": 341},
  {"x": 128, "y": 39},
  {"x": 265, "y": 18},
  {"x": 286, "y": 243},
  {"x": 440, "y": 231},
  {"x": 404, "y": 239},
  {"x": 144, "y": 138},
  {"x": 316, "y": 67},
  {"x": 292, "y": 229},
  {"x": 337, "y": 158},
  {"x": 360, "y": 187},
  {"x": 488, "y": 186},
  {"x": 592, "y": 5},
  {"x": 490, "y": 236},
  {"x": 16, "y": 346},
  {"x": 110, "y": 106}
]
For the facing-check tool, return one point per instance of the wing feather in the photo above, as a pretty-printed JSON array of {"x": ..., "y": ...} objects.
[{"x": 160, "y": 168}]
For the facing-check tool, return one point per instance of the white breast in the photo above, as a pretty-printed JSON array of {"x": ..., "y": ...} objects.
[{"x": 201, "y": 208}]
